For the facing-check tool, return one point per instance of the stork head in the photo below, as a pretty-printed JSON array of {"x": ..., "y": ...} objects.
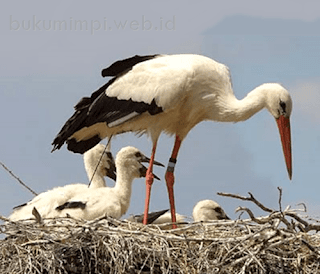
[
  {"x": 99, "y": 160},
  {"x": 278, "y": 100},
  {"x": 131, "y": 159},
  {"x": 207, "y": 210},
  {"x": 279, "y": 104}
]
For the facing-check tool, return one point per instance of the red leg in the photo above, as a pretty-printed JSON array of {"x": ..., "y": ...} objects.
[
  {"x": 149, "y": 182},
  {"x": 170, "y": 178}
]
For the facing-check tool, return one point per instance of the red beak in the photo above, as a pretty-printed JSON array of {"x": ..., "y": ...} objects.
[{"x": 285, "y": 135}]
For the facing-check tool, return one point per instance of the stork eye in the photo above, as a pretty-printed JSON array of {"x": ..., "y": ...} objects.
[
  {"x": 138, "y": 154},
  {"x": 283, "y": 106}
]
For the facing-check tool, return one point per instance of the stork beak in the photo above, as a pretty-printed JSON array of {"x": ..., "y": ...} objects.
[
  {"x": 285, "y": 135},
  {"x": 147, "y": 160},
  {"x": 111, "y": 173},
  {"x": 143, "y": 172},
  {"x": 151, "y": 216},
  {"x": 223, "y": 216}
]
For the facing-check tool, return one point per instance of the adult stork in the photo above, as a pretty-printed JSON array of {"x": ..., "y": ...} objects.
[{"x": 170, "y": 93}]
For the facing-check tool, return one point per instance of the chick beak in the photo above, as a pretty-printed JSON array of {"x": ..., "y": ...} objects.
[
  {"x": 145, "y": 159},
  {"x": 143, "y": 172}
]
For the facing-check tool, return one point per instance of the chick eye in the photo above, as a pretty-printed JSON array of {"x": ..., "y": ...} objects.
[{"x": 138, "y": 154}]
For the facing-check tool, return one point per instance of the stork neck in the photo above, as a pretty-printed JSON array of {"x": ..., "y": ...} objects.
[
  {"x": 123, "y": 188},
  {"x": 234, "y": 110},
  {"x": 97, "y": 180}
]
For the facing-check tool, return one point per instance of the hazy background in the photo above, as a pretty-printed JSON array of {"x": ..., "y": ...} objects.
[{"x": 52, "y": 54}]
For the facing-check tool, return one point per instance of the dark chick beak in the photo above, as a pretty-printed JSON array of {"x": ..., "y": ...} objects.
[
  {"x": 155, "y": 215},
  {"x": 224, "y": 217},
  {"x": 111, "y": 171},
  {"x": 151, "y": 216},
  {"x": 112, "y": 174},
  {"x": 221, "y": 215},
  {"x": 285, "y": 135},
  {"x": 147, "y": 160},
  {"x": 143, "y": 172}
]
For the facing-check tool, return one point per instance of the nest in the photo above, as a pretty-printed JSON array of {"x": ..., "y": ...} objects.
[{"x": 280, "y": 242}]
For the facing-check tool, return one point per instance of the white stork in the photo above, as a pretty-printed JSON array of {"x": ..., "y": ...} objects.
[
  {"x": 171, "y": 94},
  {"x": 93, "y": 202},
  {"x": 98, "y": 163},
  {"x": 203, "y": 211}
]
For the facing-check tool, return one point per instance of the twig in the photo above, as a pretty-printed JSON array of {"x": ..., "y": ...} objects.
[
  {"x": 106, "y": 245},
  {"x": 37, "y": 242},
  {"x": 14, "y": 176},
  {"x": 304, "y": 206},
  {"x": 309, "y": 246},
  {"x": 4, "y": 218},
  {"x": 261, "y": 220},
  {"x": 280, "y": 197},
  {"x": 307, "y": 227},
  {"x": 251, "y": 198},
  {"x": 95, "y": 170}
]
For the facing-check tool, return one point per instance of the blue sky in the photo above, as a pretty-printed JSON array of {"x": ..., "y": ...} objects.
[{"x": 49, "y": 62}]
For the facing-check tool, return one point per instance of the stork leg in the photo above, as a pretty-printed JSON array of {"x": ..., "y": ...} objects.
[
  {"x": 170, "y": 178},
  {"x": 149, "y": 182}
]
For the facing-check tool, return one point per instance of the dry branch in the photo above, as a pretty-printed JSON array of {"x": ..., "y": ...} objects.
[
  {"x": 276, "y": 243},
  {"x": 18, "y": 179}
]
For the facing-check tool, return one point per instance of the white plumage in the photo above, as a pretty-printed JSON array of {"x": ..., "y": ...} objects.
[
  {"x": 167, "y": 219},
  {"x": 115, "y": 201},
  {"x": 98, "y": 163},
  {"x": 171, "y": 94},
  {"x": 208, "y": 210},
  {"x": 204, "y": 210}
]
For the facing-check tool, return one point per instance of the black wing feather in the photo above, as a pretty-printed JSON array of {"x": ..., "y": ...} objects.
[
  {"x": 77, "y": 120},
  {"x": 75, "y": 204},
  {"x": 19, "y": 206},
  {"x": 100, "y": 108},
  {"x": 124, "y": 65},
  {"x": 116, "y": 109}
]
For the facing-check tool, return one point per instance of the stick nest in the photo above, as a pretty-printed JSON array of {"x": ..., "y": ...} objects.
[{"x": 280, "y": 242}]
